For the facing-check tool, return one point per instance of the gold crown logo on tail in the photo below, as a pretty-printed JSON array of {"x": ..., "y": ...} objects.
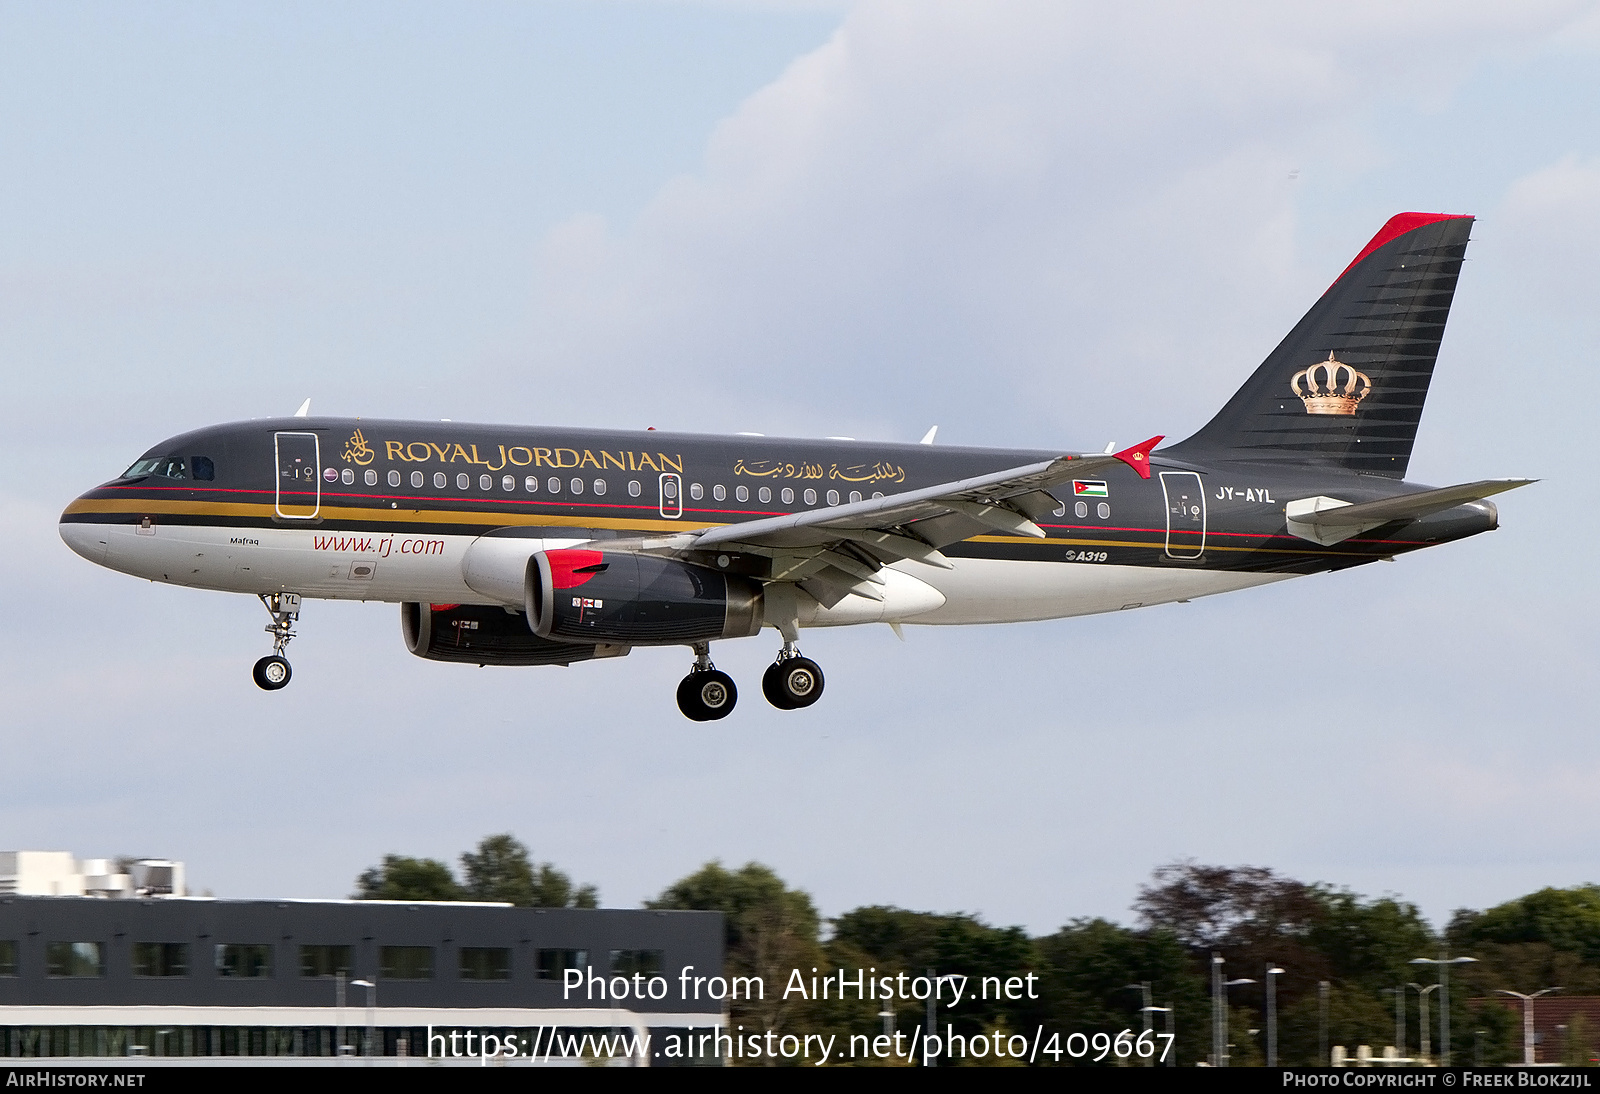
[{"x": 1322, "y": 393}]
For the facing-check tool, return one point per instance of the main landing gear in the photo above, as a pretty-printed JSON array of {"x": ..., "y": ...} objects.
[
  {"x": 707, "y": 694},
  {"x": 273, "y": 672},
  {"x": 792, "y": 681}
]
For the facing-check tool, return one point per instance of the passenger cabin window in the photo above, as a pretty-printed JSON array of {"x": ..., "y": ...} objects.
[
  {"x": 8, "y": 959},
  {"x": 833, "y": 497},
  {"x": 696, "y": 491},
  {"x": 554, "y": 485},
  {"x": 370, "y": 478},
  {"x": 160, "y": 959},
  {"x": 719, "y": 492},
  {"x": 405, "y": 962},
  {"x": 634, "y": 489},
  {"x": 245, "y": 961},
  {"x": 765, "y": 495},
  {"x": 440, "y": 480},
  {"x": 394, "y": 478},
  {"x": 811, "y": 497},
  {"x": 463, "y": 481},
  {"x": 788, "y": 496},
  {"x": 600, "y": 487},
  {"x": 485, "y": 482},
  {"x": 531, "y": 484},
  {"x": 416, "y": 480},
  {"x": 203, "y": 469},
  {"x": 347, "y": 476},
  {"x": 577, "y": 486},
  {"x": 508, "y": 483},
  {"x": 485, "y": 963},
  {"x": 741, "y": 493},
  {"x": 75, "y": 959}
]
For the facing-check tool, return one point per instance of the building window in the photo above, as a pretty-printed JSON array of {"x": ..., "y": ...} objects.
[
  {"x": 628, "y": 962},
  {"x": 440, "y": 480},
  {"x": 485, "y": 963},
  {"x": 160, "y": 959},
  {"x": 203, "y": 469},
  {"x": 531, "y": 484},
  {"x": 696, "y": 491},
  {"x": 485, "y": 482},
  {"x": 600, "y": 487},
  {"x": 405, "y": 962},
  {"x": 244, "y": 961},
  {"x": 324, "y": 961},
  {"x": 8, "y": 959},
  {"x": 719, "y": 492},
  {"x": 74, "y": 959},
  {"x": 552, "y": 963},
  {"x": 764, "y": 494},
  {"x": 634, "y": 489}
]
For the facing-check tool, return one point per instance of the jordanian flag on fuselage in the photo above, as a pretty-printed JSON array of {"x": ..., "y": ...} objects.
[{"x": 1083, "y": 489}]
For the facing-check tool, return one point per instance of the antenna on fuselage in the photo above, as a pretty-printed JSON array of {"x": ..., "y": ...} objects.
[
  {"x": 1110, "y": 448},
  {"x": 305, "y": 410},
  {"x": 927, "y": 438}
]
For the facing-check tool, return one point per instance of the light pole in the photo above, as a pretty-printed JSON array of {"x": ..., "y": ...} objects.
[
  {"x": 1227, "y": 1056},
  {"x": 1444, "y": 964},
  {"x": 1399, "y": 1019},
  {"x": 1172, "y": 1037},
  {"x": 1422, "y": 1003},
  {"x": 1322, "y": 1023},
  {"x": 1527, "y": 1019},
  {"x": 1219, "y": 1011},
  {"x": 372, "y": 1013},
  {"x": 1143, "y": 986},
  {"x": 1273, "y": 972}
]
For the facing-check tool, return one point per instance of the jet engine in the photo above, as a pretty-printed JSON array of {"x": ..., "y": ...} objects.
[
  {"x": 581, "y": 594},
  {"x": 479, "y": 635}
]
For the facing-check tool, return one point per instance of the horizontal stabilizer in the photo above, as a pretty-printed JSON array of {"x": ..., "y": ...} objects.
[{"x": 1327, "y": 520}]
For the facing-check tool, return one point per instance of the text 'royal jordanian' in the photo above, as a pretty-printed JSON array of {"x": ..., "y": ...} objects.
[{"x": 507, "y": 545}]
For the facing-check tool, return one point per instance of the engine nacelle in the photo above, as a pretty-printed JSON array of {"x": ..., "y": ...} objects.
[
  {"x": 478, "y": 635},
  {"x": 580, "y": 594}
]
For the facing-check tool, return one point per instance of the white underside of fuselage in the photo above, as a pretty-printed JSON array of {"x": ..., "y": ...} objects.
[{"x": 434, "y": 568}]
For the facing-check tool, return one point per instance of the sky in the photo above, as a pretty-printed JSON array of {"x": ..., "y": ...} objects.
[{"x": 1045, "y": 225}]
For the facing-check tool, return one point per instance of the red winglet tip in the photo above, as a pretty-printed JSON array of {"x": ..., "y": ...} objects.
[{"x": 1138, "y": 457}]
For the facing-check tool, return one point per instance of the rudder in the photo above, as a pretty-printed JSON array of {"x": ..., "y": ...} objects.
[{"x": 1346, "y": 386}]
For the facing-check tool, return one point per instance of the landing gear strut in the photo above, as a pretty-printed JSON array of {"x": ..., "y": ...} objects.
[
  {"x": 706, "y": 694},
  {"x": 273, "y": 672},
  {"x": 792, "y": 681}
]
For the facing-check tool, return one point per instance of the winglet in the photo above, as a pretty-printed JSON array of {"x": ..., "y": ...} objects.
[
  {"x": 1138, "y": 457},
  {"x": 305, "y": 409}
]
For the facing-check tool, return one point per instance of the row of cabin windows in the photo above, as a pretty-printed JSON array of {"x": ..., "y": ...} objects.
[
  {"x": 532, "y": 484},
  {"x": 249, "y": 961}
]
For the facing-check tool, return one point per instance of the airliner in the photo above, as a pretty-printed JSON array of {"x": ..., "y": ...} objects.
[{"x": 513, "y": 545}]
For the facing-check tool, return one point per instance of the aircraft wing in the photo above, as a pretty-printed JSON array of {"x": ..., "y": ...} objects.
[
  {"x": 837, "y": 550},
  {"x": 1328, "y": 520}
]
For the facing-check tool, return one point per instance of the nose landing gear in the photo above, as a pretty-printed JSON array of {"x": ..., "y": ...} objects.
[
  {"x": 706, "y": 694},
  {"x": 792, "y": 681},
  {"x": 273, "y": 672}
]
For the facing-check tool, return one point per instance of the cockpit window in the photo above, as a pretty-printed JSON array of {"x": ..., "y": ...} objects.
[
  {"x": 202, "y": 468},
  {"x": 167, "y": 467}
]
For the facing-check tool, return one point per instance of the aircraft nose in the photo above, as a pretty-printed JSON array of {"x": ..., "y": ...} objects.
[{"x": 89, "y": 540}]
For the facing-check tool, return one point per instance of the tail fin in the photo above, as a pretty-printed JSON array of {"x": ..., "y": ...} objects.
[{"x": 1346, "y": 387}]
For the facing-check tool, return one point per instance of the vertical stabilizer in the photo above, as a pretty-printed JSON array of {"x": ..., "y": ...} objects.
[{"x": 1346, "y": 387}]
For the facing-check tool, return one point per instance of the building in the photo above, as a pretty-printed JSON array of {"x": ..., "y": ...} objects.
[
  {"x": 57, "y": 873},
  {"x": 192, "y": 977}
]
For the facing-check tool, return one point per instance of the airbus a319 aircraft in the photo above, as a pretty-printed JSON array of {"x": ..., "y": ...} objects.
[{"x": 510, "y": 545}]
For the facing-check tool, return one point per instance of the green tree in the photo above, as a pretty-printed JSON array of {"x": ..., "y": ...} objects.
[
  {"x": 403, "y": 878},
  {"x": 502, "y": 870},
  {"x": 771, "y": 931}
]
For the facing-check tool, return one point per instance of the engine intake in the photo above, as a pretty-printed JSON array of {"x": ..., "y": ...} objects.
[
  {"x": 581, "y": 594},
  {"x": 477, "y": 635}
]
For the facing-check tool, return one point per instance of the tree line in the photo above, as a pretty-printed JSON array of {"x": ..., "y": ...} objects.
[{"x": 1345, "y": 958}]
